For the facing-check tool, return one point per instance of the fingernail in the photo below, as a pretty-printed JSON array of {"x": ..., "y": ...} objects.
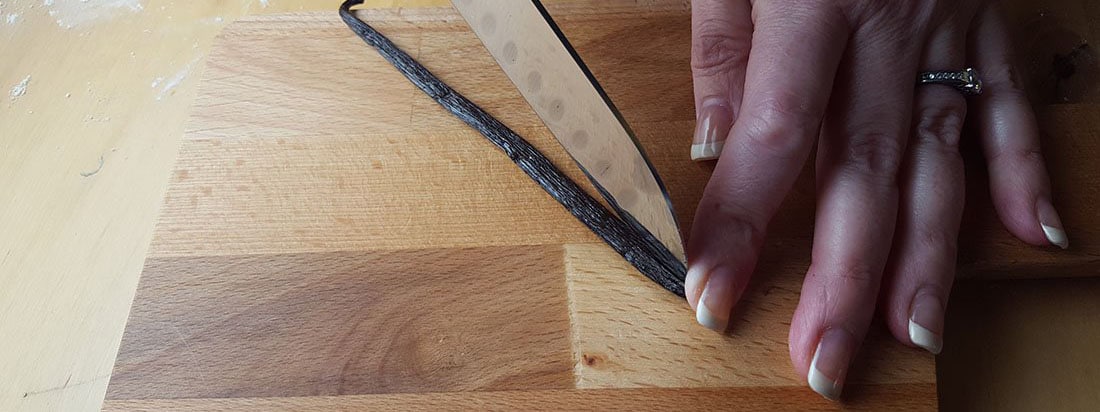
[
  {"x": 1052, "y": 224},
  {"x": 830, "y": 363},
  {"x": 716, "y": 300},
  {"x": 711, "y": 128},
  {"x": 693, "y": 284},
  {"x": 926, "y": 322}
]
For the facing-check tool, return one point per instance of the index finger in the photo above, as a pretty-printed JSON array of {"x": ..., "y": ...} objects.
[{"x": 793, "y": 60}]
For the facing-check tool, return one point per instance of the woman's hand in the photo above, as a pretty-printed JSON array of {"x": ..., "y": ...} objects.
[{"x": 772, "y": 78}]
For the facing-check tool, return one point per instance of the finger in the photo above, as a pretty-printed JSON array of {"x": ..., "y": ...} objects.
[
  {"x": 1018, "y": 179},
  {"x": 922, "y": 260},
  {"x": 769, "y": 143},
  {"x": 862, "y": 146},
  {"x": 721, "y": 34}
]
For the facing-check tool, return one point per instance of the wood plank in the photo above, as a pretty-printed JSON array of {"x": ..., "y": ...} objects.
[
  {"x": 258, "y": 62},
  {"x": 347, "y": 323},
  {"x": 361, "y": 192},
  {"x": 630, "y": 333},
  {"x": 871, "y": 398}
]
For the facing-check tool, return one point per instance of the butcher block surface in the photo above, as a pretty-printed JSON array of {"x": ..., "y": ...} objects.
[{"x": 331, "y": 238}]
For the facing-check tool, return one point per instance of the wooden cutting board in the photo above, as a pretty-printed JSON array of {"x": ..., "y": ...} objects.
[{"x": 332, "y": 238}]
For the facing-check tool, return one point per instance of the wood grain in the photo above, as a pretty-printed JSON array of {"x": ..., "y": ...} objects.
[
  {"x": 872, "y": 398},
  {"x": 337, "y": 248},
  {"x": 361, "y": 192},
  {"x": 245, "y": 99},
  {"x": 347, "y": 323},
  {"x": 556, "y": 86},
  {"x": 261, "y": 179},
  {"x": 74, "y": 234},
  {"x": 72, "y": 247},
  {"x": 627, "y": 333}
]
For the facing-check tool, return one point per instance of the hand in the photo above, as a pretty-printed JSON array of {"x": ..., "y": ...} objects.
[{"x": 772, "y": 78}]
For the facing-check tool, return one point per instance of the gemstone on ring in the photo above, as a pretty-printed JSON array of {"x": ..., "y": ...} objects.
[{"x": 965, "y": 81}]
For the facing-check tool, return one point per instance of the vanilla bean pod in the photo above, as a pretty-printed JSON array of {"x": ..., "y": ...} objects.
[{"x": 622, "y": 232}]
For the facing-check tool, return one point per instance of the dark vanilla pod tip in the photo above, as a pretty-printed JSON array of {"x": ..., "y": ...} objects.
[{"x": 619, "y": 230}]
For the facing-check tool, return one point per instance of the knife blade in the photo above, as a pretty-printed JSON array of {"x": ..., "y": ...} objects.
[
  {"x": 535, "y": 55},
  {"x": 618, "y": 228}
]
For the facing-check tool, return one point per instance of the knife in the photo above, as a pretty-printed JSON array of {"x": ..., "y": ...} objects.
[
  {"x": 535, "y": 55},
  {"x": 642, "y": 228}
]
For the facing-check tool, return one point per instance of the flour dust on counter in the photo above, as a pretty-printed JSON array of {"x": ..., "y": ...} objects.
[
  {"x": 84, "y": 13},
  {"x": 19, "y": 89}
]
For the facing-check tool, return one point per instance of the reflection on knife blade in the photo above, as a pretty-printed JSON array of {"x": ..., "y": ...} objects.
[{"x": 625, "y": 233}]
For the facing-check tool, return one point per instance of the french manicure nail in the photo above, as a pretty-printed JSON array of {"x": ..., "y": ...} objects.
[
  {"x": 1057, "y": 236},
  {"x": 707, "y": 318},
  {"x": 1052, "y": 224},
  {"x": 830, "y": 363},
  {"x": 706, "y": 151},
  {"x": 694, "y": 283},
  {"x": 716, "y": 300},
  {"x": 926, "y": 322},
  {"x": 713, "y": 124}
]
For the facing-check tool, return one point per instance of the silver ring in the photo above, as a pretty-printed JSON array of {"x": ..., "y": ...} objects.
[{"x": 965, "y": 81}]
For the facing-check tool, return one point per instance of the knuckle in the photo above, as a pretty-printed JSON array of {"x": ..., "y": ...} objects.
[
  {"x": 718, "y": 47},
  {"x": 1004, "y": 79},
  {"x": 737, "y": 220},
  {"x": 932, "y": 239},
  {"x": 1029, "y": 157},
  {"x": 814, "y": 15},
  {"x": 860, "y": 278},
  {"x": 876, "y": 156},
  {"x": 782, "y": 125},
  {"x": 941, "y": 124},
  {"x": 912, "y": 16}
]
